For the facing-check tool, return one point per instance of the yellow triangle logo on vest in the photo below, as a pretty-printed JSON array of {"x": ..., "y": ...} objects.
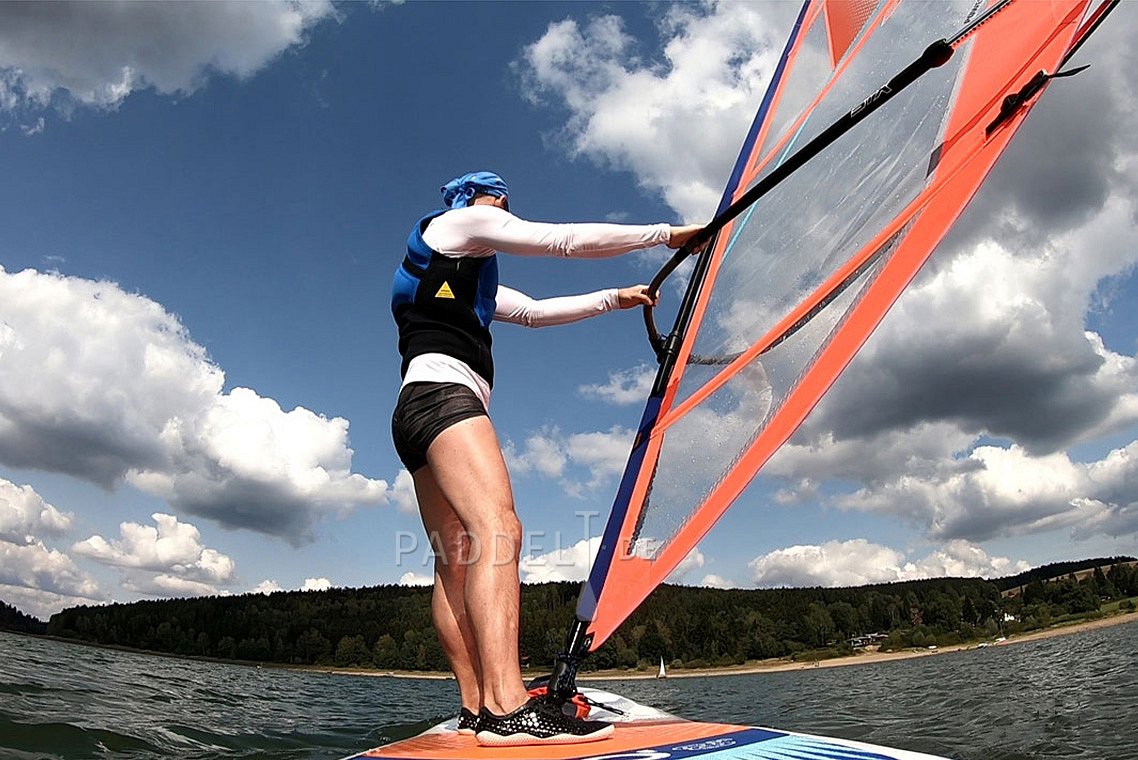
[{"x": 445, "y": 291}]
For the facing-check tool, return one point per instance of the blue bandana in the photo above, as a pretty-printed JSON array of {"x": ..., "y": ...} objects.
[{"x": 458, "y": 192}]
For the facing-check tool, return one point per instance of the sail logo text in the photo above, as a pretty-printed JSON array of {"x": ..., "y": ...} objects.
[
  {"x": 720, "y": 743},
  {"x": 886, "y": 90}
]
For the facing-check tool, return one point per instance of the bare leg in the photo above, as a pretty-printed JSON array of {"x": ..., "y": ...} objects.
[
  {"x": 468, "y": 468},
  {"x": 452, "y": 548}
]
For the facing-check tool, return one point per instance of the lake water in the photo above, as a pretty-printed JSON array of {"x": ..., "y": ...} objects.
[{"x": 1067, "y": 697}]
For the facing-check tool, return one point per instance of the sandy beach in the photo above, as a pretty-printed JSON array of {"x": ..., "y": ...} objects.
[{"x": 864, "y": 657}]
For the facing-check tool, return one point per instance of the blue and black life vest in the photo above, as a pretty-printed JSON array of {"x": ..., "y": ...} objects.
[{"x": 443, "y": 304}]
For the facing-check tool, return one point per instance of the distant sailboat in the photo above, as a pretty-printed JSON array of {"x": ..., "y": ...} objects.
[{"x": 661, "y": 674}]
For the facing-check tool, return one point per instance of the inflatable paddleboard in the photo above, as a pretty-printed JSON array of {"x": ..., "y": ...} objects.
[{"x": 645, "y": 733}]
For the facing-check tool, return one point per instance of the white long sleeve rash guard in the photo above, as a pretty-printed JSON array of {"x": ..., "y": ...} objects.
[{"x": 483, "y": 230}]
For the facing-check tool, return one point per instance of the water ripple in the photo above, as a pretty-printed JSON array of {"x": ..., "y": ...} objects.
[{"x": 1071, "y": 697}]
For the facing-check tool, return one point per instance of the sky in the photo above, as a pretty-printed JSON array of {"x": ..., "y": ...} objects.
[{"x": 202, "y": 205}]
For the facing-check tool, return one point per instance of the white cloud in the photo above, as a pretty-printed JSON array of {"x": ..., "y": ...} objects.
[
  {"x": 693, "y": 561},
  {"x": 871, "y": 458},
  {"x": 165, "y": 585},
  {"x": 267, "y": 586},
  {"x": 961, "y": 559},
  {"x": 569, "y": 563},
  {"x": 416, "y": 579},
  {"x": 711, "y": 580},
  {"x": 544, "y": 454},
  {"x": 583, "y": 462},
  {"x": 938, "y": 479},
  {"x": 37, "y": 579},
  {"x": 35, "y": 128},
  {"x": 170, "y": 553},
  {"x": 603, "y": 453},
  {"x": 24, "y": 515},
  {"x": 96, "y": 54},
  {"x": 990, "y": 344},
  {"x": 572, "y": 563},
  {"x": 994, "y": 340},
  {"x": 107, "y": 386},
  {"x": 278, "y": 466},
  {"x": 43, "y": 604},
  {"x": 403, "y": 493},
  {"x": 676, "y": 123},
  {"x": 316, "y": 584},
  {"x": 1007, "y": 491},
  {"x": 859, "y": 562},
  {"x": 624, "y": 387},
  {"x": 35, "y": 567}
]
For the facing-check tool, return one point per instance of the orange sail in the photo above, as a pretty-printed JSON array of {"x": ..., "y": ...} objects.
[{"x": 810, "y": 251}]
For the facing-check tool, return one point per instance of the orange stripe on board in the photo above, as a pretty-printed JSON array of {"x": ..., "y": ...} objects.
[{"x": 627, "y": 737}]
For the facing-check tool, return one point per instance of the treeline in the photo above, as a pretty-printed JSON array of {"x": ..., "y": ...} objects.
[
  {"x": 389, "y": 627},
  {"x": 11, "y": 619},
  {"x": 697, "y": 627},
  {"x": 1057, "y": 570},
  {"x": 1042, "y": 601}
]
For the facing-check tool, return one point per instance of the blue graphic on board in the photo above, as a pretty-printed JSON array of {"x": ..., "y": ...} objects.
[{"x": 748, "y": 744}]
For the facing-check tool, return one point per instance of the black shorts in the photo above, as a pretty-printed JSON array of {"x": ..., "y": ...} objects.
[{"x": 423, "y": 411}]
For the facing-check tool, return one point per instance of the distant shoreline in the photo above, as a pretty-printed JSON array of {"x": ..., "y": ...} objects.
[
  {"x": 750, "y": 668},
  {"x": 768, "y": 666},
  {"x": 869, "y": 657}
]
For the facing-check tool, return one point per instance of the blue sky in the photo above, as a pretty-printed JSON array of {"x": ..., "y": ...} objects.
[{"x": 202, "y": 205}]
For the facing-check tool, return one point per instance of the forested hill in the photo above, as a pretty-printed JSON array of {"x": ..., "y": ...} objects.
[
  {"x": 389, "y": 627},
  {"x": 1058, "y": 570},
  {"x": 11, "y": 619}
]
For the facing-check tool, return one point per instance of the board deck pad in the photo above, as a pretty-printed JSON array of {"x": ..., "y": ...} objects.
[{"x": 644, "y": 733}]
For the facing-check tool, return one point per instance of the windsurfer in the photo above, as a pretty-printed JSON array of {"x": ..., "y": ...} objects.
[{"x": 445, "y": 295}]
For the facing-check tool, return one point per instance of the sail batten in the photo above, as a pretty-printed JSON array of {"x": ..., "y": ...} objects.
[{"x": 794, "y": 284}]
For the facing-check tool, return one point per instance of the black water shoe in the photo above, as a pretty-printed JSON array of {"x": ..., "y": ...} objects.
[
  {"x": 467, "y": 722},
  {"x": 537, "y": 722}
]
